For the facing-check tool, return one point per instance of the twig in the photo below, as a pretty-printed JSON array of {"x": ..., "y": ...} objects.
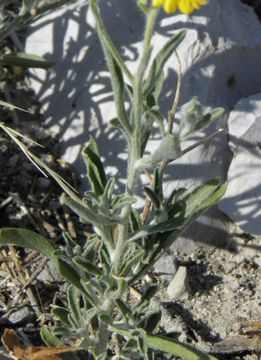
[
  {"x": 29, "y": 291},
  {"x": 172, "y": 112},
  {"x": 6, "y": 202}
]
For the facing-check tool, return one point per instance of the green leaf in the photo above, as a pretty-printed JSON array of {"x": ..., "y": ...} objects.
[
  {"x": 174, "y": 347},
  {"x": 168, "y": 149},
  {"x": 153, "y": 197},
  {"x": 53, "y": 341},
  {"x": 62, "y": 314},
  {"x": 131, "y": 262},
  {"x": 171, "y": 224},
  {"x": 192, "y": 118},
  {"x": 124, "y": 309},
  {"x": 26, "y": 60},
  {"x": 96, "y": 173},
  {"x": 87, "y": 266},
  {"x": 32, "y": 240},
  {"x": 197, "y": 202},
  {"x": 203, "y": 197},
  {"x": 88, "y": 216},
  {"x": 49, "y": 338},
  {"x": 210, "y": 117},
  {"x": 151, "y": 320},
  {"x": 27, "y": 239},
  {"x": 68, "y": 272},
  {"x": 160, "y": 60},
  {"x": 118, "y": 89},
  {"x": 73, "y": 297}
]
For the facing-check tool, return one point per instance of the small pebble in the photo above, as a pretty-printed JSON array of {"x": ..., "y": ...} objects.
[{"x": 179, "y": 286}]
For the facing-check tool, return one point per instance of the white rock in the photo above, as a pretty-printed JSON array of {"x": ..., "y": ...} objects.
[
  {"x": 243, "y": 197},
  {"x": 179, "y": 286}
]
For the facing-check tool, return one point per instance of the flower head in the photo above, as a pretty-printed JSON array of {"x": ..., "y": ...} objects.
[{"x": 185, "y": 6}]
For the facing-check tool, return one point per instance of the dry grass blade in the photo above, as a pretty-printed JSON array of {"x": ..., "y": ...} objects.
[
  {"x": 39, "y": 164},
  {"x": 11, "y": 106}
]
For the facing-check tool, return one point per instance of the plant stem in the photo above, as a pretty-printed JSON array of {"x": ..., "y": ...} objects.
[
  {"x": 135, "y": 143},
  {"x": 104, "y": 36}
]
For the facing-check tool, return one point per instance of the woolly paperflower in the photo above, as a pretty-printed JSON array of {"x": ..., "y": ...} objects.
[{"x": 185, "y": 6}]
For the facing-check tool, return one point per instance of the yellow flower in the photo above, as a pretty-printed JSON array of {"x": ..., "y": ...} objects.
[{"x": 185, "y": 6}]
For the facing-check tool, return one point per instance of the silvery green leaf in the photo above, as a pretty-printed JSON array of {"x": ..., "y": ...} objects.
[
  {"x": 151, "y": 320},
  {"x": 49, "y": 338},
  {"x": 171, "y": 224},
  {"x": 115, "y": 122},
  {"x": 89, "y": 314},
  {"x": 160, "y": 60},
  {"x": 153, "y": 197},
  {"x": 174, "y": 347},
  {"x": 169, "y": 149},
  {"x": 148, "y": 294},
  {"x": 191, "y": 113},
  {"x": 64, "y": 331},
  {"x": 109, "y": 189},
  {"x": 175, "y": 196},
  {"x": 158, "y": 117},
  {"x": 140, "y": 336},
  {"x": 118, "y": 89},
  {"x": 89, "y": 244},
  {"x": 210, "y": 117},
  {"x": 131, "y": 262},
  {"x": 196, "y": 203},
  {"x": 87, "y": 292},
  {"x": 105, "y": 318},
  {"x": 120, "y": 201},
  {"x": 26, "y": 60},
  {"x": 87, "y": 215},
  {"x": 73, "y": 297},
  {"x": 62, "y": 314},
  {"x": 105, "y": 259},
  {"x": 134, "y": 220},
  {"x": 124, "y": 309},
  {"x": 192, "y": 118},
  {"x": 27, "y": 239},
  {"x": 87, "y": 266},
  {"x": 70, "y": 243},
  {"x": 96, "y": 173},
  {"x": 115, "y": 294}
]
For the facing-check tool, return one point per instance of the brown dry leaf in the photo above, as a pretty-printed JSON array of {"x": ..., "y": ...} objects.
[{"x": 12, "y": 344}]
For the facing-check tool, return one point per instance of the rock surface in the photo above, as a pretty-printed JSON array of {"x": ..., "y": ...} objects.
[{"x": 243, "y": 197}]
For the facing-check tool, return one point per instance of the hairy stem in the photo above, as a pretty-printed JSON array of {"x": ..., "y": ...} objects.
[
  {"x": 135, "y": 145},
  {"x": 103, "y": 34}
]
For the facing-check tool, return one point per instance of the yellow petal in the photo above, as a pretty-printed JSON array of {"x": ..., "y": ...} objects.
[
  {"x": 186, "y": 6},
  {"x": 198, "y": 3},
  {"x": 157, "y": 3},
  {"x": 170, "y": 6}
]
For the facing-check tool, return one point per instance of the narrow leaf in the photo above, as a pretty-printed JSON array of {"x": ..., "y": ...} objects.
[
  {"x": 26, "y": 60},
  {"x": 73, "y": 297},
  {"x": 173, "y": 347},
  {"x": 96, "y": 173},
  {"x": 161, "y": 59},
  {"x": 87, "y": 266},
  {"x": 27, "y": 239}
]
